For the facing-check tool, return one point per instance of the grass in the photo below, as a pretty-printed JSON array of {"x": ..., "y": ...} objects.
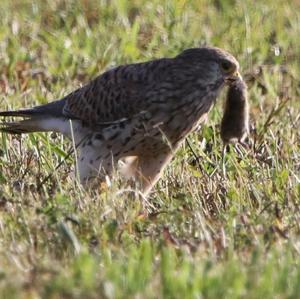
[{"x": 201, "y": 234}]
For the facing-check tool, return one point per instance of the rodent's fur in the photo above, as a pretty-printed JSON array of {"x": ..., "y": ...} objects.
[{"x": 235, "y": 122}]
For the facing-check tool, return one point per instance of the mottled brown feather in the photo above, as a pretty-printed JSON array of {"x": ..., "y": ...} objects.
[
  {"x": 142, "y": 110},
  {"x": 127, "y": 90}
]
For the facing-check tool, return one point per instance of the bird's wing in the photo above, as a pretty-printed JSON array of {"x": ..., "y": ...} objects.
[{"x": 117, "y": 95}]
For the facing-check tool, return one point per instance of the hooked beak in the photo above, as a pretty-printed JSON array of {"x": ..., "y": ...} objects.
[{"x": 234, "y": 77}]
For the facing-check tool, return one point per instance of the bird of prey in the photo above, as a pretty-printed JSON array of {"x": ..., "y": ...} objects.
[{"x": 140, "y": 113}]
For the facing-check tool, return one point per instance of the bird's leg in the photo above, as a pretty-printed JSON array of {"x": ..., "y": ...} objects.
[
  {"x": 128, "y": 166},
  {"x": 150, "y": 169}
]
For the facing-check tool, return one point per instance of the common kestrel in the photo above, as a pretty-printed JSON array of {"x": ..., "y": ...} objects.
[{"x": 140, "y": 112}]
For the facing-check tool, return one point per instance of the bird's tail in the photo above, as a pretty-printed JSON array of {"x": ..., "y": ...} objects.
[
  {"x": 23, "y": 126},
  {"x": 38, "y": 119}
]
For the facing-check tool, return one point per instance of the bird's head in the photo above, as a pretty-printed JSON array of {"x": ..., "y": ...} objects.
[{"x": 210, "y": 65}]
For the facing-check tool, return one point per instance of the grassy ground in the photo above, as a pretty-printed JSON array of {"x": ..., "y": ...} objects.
[{"x": 204, "y": 233}]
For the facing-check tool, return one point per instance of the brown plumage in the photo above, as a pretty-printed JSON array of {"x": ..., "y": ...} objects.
[{"x": 139, "y": 113}]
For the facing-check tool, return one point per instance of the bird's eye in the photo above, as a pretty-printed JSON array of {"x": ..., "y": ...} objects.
[{"x": 227, "y": 66}]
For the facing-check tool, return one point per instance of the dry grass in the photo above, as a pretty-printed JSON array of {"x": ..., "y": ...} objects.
[{"x": 210, "y": 230}]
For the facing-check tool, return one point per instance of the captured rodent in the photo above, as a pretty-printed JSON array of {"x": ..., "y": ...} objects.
[{"x": 235, "y": 122}]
